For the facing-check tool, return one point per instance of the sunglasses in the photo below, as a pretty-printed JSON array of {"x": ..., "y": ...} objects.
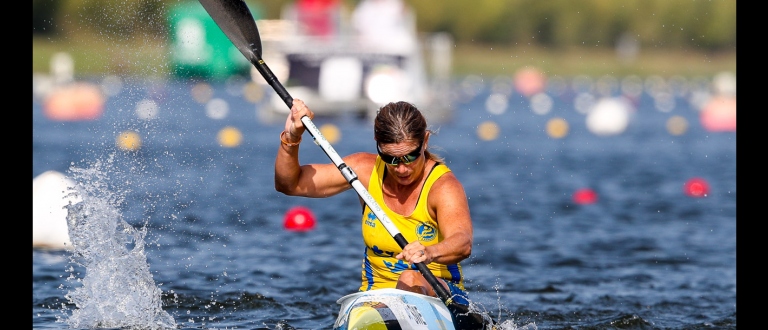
[{"x": 394, "y": 161}]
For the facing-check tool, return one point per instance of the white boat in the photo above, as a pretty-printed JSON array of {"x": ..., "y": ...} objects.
[
  {"x": 389, "y": 309},
  {"x": 341, "y": 72}
]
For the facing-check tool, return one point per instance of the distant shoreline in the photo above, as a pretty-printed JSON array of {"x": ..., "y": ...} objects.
[
  {"x": 150, "y": 58},
  {"x": 592, "y": 62}
]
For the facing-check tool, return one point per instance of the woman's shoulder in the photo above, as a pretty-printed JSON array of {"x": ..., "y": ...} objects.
[
  {"x": 446, "y": 181},
  {"x": 446, "y": 190},
  {"x": 360, "y": 159},
  {"x": 362, "y": 163}
]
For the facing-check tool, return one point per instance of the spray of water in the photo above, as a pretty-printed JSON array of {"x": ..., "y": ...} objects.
[{"x": 117, "y": 289}]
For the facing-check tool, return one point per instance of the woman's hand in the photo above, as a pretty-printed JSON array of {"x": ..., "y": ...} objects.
[
  {"x": 414, "y": 252},
  {"x": 293, "y": 125}
]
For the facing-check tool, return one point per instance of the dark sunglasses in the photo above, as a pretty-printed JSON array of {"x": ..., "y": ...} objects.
[{"x": 394, "y": 161}]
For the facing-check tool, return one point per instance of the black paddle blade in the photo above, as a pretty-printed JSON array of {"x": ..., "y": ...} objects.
[
  {"x": 236, "y": 21},
  {"x": 464, "y": 319}
]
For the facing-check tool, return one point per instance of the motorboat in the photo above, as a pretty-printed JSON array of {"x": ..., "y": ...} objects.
[{"x": 337, "y": 70}]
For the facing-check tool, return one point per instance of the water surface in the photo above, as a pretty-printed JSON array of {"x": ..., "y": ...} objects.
[{"x": 195, "y": 239}]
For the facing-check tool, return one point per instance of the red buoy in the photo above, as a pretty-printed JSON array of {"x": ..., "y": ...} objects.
[
  {"x": 299, "y": 218},
  {"x": 585, "y": 196},
  {"x": 74, "y": 102},
  {"x": 719, "y": 114},
  {"x": 696, "y": 187}
]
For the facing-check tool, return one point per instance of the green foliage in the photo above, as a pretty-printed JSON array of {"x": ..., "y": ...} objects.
[
  {"x": 701, "y": 24},
  {"x": 43, "y": 12},
  {"x": 591, "y": 23},
  {"x": 566, "y": 37}
]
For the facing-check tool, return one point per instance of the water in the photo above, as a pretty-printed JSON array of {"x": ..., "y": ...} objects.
[{"x": 186, "y": 234}]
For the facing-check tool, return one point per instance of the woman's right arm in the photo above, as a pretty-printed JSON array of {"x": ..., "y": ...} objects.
[{"x": 311, "y": 180}]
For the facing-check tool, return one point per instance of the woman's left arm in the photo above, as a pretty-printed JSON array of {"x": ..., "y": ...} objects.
[{"x": 449, "y": 206}]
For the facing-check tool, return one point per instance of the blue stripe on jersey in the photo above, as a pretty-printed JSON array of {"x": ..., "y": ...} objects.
[
  {"x": 455, "y": 274},
  {"x": 368, "y": 269}
]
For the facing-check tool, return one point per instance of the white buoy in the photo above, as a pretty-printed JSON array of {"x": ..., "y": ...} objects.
[
  {"x": 50, "y": 193},
  {"x": 609, "y": 116}
]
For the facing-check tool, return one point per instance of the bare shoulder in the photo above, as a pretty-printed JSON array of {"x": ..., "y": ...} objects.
[
  {"x": 362, "y": 164},
  {"x": 361, "y": 160},
  {"x": 449, "y": 181},
  {"x": 448, "y": 204},
  {"x": 447, "y": 191}
]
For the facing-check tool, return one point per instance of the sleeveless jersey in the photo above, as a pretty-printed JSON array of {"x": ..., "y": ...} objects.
[{"x": 380, "y": 267}]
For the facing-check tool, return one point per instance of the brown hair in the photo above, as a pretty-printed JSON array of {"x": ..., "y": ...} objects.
[{"x": 401, "y": 121}]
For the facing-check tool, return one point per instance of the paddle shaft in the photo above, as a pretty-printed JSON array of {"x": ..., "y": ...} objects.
[{"x": 236, "y": 21}]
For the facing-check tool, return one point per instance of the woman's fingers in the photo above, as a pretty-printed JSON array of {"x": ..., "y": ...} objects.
[{"x": 414, "y": 253}]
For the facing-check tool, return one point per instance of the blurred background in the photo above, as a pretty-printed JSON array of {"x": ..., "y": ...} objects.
[
  {"x": 593, "y": 37},
  {"x": 346, "y": 56}
]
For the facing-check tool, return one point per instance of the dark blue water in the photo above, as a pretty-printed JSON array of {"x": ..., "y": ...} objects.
[{"x": 205, "y": 226}]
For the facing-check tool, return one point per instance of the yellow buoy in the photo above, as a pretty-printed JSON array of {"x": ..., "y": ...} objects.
[
  {"x": 557, "y": 128},
  {"x": 252, "y": 92},
  {"x": 129, "y": 141},
  {"x": 230, "y": 137},
  {"x": 488, "y": 130},
  {"x": 331, "y": 133},
  {"x": 677, "y": 125},
  {"x": 202, "y": 93}
]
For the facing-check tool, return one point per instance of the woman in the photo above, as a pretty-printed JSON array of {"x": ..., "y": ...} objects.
[{"x": 412, "y": 185}]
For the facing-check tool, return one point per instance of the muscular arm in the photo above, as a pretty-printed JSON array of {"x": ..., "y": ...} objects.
[
  {"x": 448, "y": 201},
  {"x": 317, "y": 180},
  {"x": 312, "y": 180}
]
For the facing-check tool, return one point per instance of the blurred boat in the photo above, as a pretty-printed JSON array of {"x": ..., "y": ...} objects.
[{"x": 337, "y": 71}]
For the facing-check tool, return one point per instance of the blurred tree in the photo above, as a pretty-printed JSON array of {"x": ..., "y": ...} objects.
[
  {"x": 43, "y": 12},
  {"x": 710, "y": 25},
  {"x": 114, "y": 18},
  {"x": 719, "y": 31}
]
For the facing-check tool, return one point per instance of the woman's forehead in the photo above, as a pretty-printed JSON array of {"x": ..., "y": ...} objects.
[{"x": 399, "y": 148}]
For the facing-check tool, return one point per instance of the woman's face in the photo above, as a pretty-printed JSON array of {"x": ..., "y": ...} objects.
[{"x": 405, "y": 160}]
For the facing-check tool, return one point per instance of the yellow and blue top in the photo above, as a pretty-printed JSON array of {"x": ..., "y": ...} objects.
[{"x": 380, "y": 267}]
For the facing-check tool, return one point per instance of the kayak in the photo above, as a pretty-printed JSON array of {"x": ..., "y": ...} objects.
[{"x": 389, "y": 309}]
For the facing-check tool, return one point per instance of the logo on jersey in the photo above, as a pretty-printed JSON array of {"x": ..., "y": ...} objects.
[
  {"x": 371, "y": 220},
  {"x": 381, "y": 253},
  {"x": 399, "y": 266},
  {"x": 425, "y": 232}
]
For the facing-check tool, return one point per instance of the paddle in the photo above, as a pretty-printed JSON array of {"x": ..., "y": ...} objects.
[{"x": 235, "y": 20}]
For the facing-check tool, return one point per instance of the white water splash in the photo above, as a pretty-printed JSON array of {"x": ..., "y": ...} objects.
[{"x": 118, "y": 290}]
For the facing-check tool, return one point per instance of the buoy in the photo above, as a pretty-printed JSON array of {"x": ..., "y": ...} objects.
[
  {"x": 331, "y": 133},
  {"x": 299, "y": 218},
  {"x": 541, "y": 103},
  {"x": 202, "y": 93},
  {"x": 488, "y": 131},
  {"x": 253, "y": 92},
  {"x": 677, "y": 125},
  {"x": 496, "y": 103},
  {"x": 696, "y": 187},
  {"x": 74, "y": 102},
  {"x": 585, "y": 196},
  {"x": 129, "y": 141},
  {"x": 609, "y": 116},
  {"x": 147, "y": 109},
  {"x": 217, "y": 108},
  {"x": 530, "y": 81},
  {"x": 557, "y": 128},
  {"x": 724, "y": 84},
  {"x": 50, "y": 193},
  {"x": 230, "y": 137},
  {"x": 719, "y": 114}
]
